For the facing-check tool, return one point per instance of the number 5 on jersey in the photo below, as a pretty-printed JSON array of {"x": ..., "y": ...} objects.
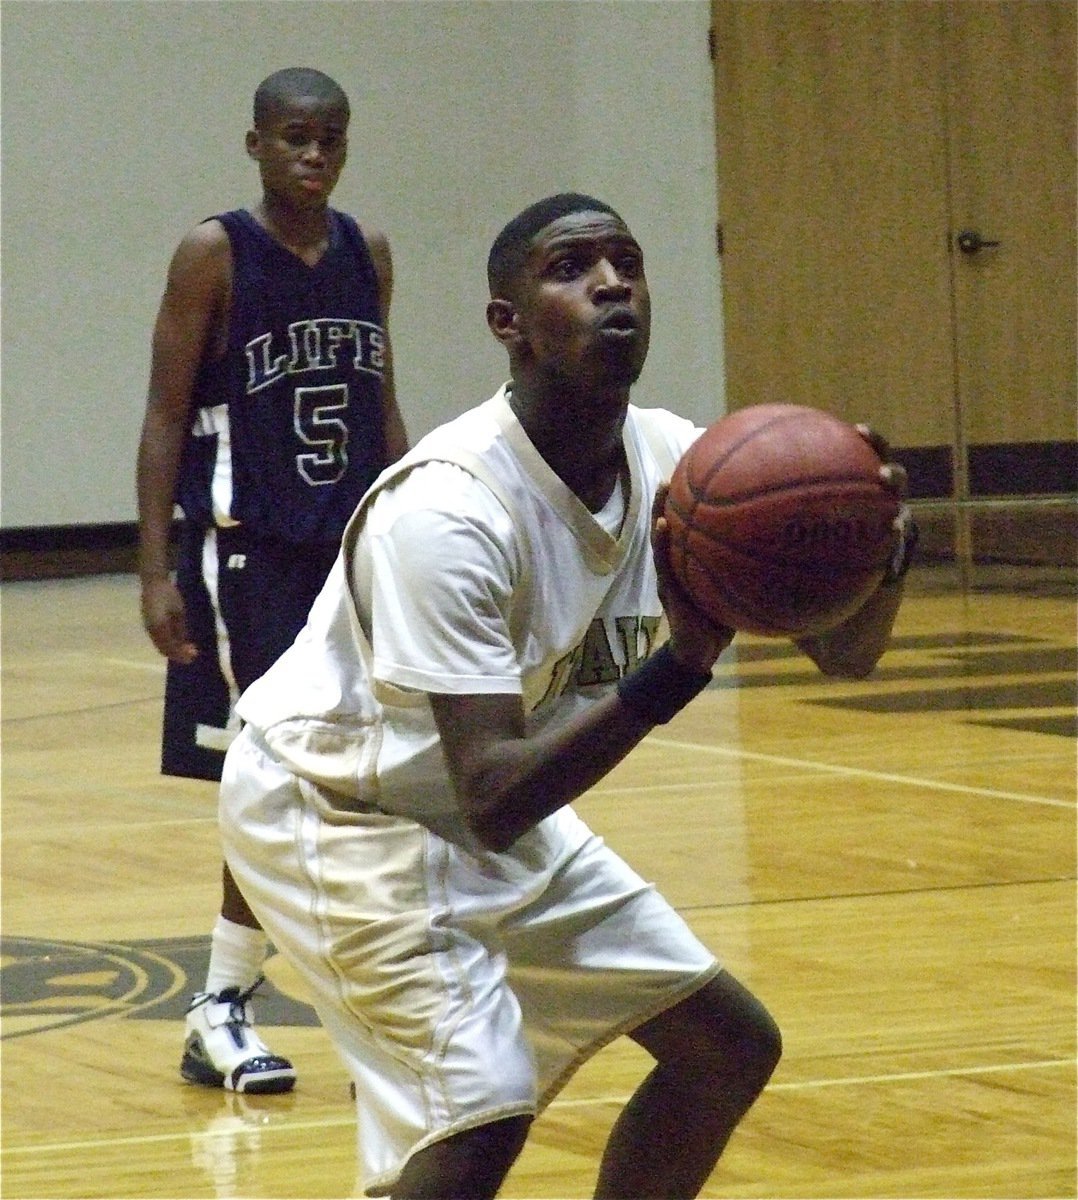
[{"x": 319, "y": 421}]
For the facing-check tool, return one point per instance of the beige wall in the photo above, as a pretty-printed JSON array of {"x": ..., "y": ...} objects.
[{"x": 123, "y": 125}]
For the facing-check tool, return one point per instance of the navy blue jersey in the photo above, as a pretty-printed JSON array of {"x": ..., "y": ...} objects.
[{"x": 287, "y": 426}]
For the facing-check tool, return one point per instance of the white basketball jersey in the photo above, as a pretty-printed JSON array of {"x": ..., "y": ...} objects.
[{"x": 470, "y": 567}]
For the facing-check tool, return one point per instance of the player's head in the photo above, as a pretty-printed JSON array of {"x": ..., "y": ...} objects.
[
  {"x": 300, "y": 136},
  {"x": 569, "y": 299},
  {"x": 510, "y": 248},
  {"x": 297, "y": 83}
]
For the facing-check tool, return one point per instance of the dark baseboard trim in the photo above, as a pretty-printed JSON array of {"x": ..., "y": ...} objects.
[
  {"x": 996, "y": 469},
  {"x": 69, "y": 537},
  {"x": 1017, "y": 535},
  {"x": 59, "y": 551}
]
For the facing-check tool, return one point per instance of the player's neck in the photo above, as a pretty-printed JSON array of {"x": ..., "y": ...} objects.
[
  {"x": 304, "y": 232},
  {"x": 582, "y": 444}
]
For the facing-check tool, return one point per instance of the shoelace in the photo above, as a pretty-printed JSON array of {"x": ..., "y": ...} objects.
[{"x": 237, "y": 1005}]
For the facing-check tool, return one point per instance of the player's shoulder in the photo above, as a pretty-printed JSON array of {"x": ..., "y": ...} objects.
[
  {"x": 373, "y": 235},
  {"x": 201, "y": 265},
  {"x": 666, "y": 433},
  {"x": 450, "y": 468},
  {"x": 377, "y": 248},
  {"x": 440, "y": 483},
  {"x": 205, "y": 246},
  {"x": 433, "y": 501},
  {"x": 376, "y": 238},
  {"x": 208, "y": 235}
]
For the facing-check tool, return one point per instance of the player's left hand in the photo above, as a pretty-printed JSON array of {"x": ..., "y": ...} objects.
[
  {"x": 893, "y": 477},
  {"x": 164, "y": 618},
  {"x": 892, "y": 474}
]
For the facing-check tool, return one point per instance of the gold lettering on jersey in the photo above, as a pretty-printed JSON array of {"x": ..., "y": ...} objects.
[
  {"x": 598, "y": 659},
  {"x": 636, "y": 636},
  {"x": 315, "y": 345},
  {"x": 597, "y": 663}
]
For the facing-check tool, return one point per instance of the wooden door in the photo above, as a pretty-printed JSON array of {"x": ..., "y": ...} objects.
[
  {"x": 856, "y": 141},
  {"x": 833, "y": 218},
  {"x": 1011, "y": 136}
]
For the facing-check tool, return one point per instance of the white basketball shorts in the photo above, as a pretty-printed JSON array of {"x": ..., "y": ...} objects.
[{"x": 459, "y": 988}]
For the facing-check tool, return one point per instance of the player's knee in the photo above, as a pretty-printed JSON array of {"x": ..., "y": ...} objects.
[
  {"x": 765, "y": 1037},
  {"x": 469, "y": 1165},
  {"x": 744, "y": 1056},
  {"x": 746, "y": 1046},
  {"x": 754, "y": 1037},
  {"x": 721, "y": 1030}
]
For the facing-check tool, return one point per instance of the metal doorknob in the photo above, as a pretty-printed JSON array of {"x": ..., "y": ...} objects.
[{"x": 969, "y": 241}]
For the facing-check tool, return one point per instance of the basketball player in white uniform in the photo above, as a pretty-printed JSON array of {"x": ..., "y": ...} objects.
[{"x": 498, "y": 632}]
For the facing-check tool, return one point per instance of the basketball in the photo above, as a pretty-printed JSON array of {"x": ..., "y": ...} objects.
[{"x": 779, "y": 522}]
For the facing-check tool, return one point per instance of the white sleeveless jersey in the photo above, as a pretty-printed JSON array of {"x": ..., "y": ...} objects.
[{"x": 469, "y": 568}]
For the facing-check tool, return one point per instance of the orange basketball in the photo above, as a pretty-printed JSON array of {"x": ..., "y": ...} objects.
[{"x": 780, "y": 524}]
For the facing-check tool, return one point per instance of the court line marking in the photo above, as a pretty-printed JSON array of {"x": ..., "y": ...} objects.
[
  {"x": 859, "y": 772},
  {"x": 109, "y": 826},
  {"x": 157, "y": 666},
  {"x": 286, "y": 1126},
  {"x": 859, "y": 1080}
]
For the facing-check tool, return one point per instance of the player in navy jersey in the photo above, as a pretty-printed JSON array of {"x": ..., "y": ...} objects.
[{"x": 271, "y": 408}]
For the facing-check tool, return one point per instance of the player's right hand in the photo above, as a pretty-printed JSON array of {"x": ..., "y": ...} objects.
[
  {"x": 695, "y": 640},
  {"x": 163, "y": 617}
]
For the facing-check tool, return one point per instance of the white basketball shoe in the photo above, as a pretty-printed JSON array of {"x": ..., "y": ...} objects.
[{"x": 223, "y": 1050}]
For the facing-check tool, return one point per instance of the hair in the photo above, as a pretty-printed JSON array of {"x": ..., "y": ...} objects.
[
  {"x": 511, "y": 246},
  {"x": 293, "y": 82}
]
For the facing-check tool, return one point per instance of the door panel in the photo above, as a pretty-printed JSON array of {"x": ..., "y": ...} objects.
[
  {"x": 831, "y": 164},
  {"x": 1012, "y": 150}
]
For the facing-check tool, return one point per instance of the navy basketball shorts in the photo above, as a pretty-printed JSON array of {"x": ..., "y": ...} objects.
[{"x": 246, "y": 598}]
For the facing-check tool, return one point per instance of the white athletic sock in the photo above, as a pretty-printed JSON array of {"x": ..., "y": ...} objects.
[{"x": 237, "y": 953}]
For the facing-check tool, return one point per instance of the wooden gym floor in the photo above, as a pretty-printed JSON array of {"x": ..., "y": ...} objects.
[{"x": 890, "y": 864}]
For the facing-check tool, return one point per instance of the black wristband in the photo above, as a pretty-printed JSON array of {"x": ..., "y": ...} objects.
[{"x": 661, "y": 686}]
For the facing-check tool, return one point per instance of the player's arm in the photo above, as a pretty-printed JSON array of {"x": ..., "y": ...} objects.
[
  {"x": 393, "y": 429},
  {"x": 852, "y": 650},
  {"x": 195, "y": 297},
  {"x": 506, "y": 782}
]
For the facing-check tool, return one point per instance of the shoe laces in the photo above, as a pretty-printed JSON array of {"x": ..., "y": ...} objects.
[{"x": 237, "y": 1002}]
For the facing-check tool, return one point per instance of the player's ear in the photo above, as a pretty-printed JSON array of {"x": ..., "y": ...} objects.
[
  {"x": 252, "y": 142},
  {"x": 503, "y": 321}
]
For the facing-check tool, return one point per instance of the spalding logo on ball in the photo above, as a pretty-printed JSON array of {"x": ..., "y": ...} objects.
[{"x": 779, "y": 522}]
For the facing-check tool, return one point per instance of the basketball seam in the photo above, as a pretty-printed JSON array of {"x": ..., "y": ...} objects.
[
  {"x": 700, "y": 496},
  {"x": 753, "y": 433}
]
